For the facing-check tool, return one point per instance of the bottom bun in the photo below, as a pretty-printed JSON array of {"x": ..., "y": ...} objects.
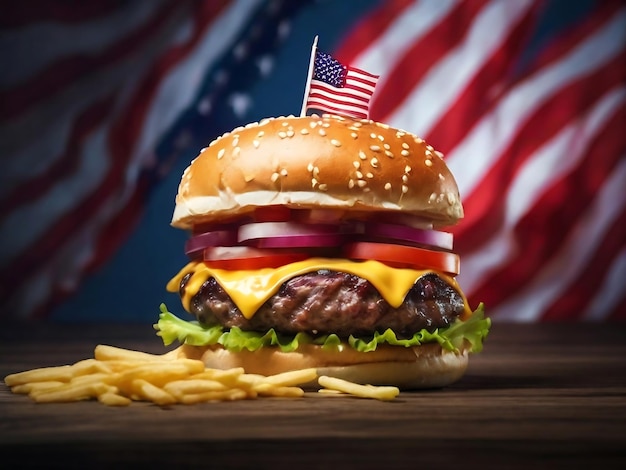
[{"x": 426, "y": 366}]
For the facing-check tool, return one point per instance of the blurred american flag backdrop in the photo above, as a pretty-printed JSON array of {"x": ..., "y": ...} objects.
[{"x": 104, "y": 103}]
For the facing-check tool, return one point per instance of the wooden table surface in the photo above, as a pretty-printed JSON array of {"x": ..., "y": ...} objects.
[{"x": 545, "y": 395}]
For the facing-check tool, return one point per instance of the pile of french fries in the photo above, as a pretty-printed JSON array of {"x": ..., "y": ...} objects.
[{"x": 117, "y": 377}]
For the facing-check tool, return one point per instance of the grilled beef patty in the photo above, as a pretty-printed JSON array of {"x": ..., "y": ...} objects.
[{"x": 326, "y": 301}]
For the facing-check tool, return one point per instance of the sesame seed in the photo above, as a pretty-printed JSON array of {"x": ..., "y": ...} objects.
[
  {"x": 438, "y": 153},
  {"x": 261, "y": 134},
  {"x": 357, "y": 164},
  {"x": 373, "y": 135},
  {"x": 405, "y": 153},
  {"x": 432, "y": 197},
  {"x": 407, "y": 169},
  {"x": 362, "y": 155},
  {"x": 387, "y": 186},
  {"x": 366, "y": 190},
  {"x": 316, "y": 171},
  {"x": 451, "y": 198},
  {"x": 381, "y": 138},
  {"x": 389, "y": 153},
  {"x": 374, "y": 162},
  {"x": 236, "y": 151},
  {"x": 419, "y": 140},
  {"x": 430, "y": 148},
  {"x": 369, "y": 175},
  {"x": 326, "y": 124},
  {"x": 323, "y": 187},
  {"x": 361, "y": 183},
  {"x": 285, "y": 124},
  {"x": 405, "y": 145},
  {"x": 428, "y": 163},
  {"x": 256, "y": 144},
  {"x": 313, "y": 182},
  {"x": 354, "y": 135},
  {"x": 357, "y": 124},
  {"x": 290, "y": 133},
  {"x": 383, "y": 125},
  {"x": 405, "y": 179},
  {"x": 282, "y": 134},
  {"x": 304, "y": 131},
  {"x": 322, "y": 132},
  {"x": 375, "y": 148},
  {"x": 203, "y": 150},
  {"x": 359, "y": 175},
  {"x": 428, "y": 153},
  {"x": 405, "y": 189},
  {"x": 313, "y": 124},
  {"x": 220, "y": 154},
  {"x": 335, "y": 142},
  {"x": 251, "y": 124},
  {"x": 274, "y": 177},
  {"x": 441, "y": 177},
  {"x": 236, "y": 141},
  {"x": 309, "y": 167},
  {"x": 283, "y": 172},
  {"x": 351, "y": 184},
  {"x": 213, "y": 142}
]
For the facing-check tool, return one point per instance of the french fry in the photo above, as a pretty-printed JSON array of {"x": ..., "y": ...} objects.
[
  {"x": 68, "y": 392},
  {"x": 152, "y": 393},
  {"x": 224, "y": 376},
  {"x": 364, "y": 391},
  {"x": 104, "y": 352},
  {"x": 89, "y": 366},
  {"x": 35, "y": 386},
  {"x": 160, "y": 373},
  {"x": 114, "y": 399},
  {"x": 180, "y": 388},
  {"x": 329, "y": 392},
  {"x": 45, "y": 374},
  {"x": 291, "y": 378},
  {"x": 272, "y": 390},
  {"x": 99, "y": 377}
]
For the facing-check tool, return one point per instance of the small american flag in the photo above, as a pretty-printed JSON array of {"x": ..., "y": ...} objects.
[{"x": 340, "y": 89}]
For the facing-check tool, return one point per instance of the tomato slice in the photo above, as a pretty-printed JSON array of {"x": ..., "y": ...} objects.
[
  {"x": 242, "y": 257},
  {"x": 401, "y": 256}
]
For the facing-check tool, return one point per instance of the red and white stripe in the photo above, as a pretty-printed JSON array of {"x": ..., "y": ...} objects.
[
  {"x": 538, "y": 156},
  {"x": 80, "y": 124}
]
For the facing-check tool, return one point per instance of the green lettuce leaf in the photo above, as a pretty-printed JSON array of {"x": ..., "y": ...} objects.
[{"x": 171, "y": 328}]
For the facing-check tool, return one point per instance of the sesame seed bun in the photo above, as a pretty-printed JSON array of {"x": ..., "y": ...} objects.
[
  {"x": 327, "y": 162},
  {"x": 419, "y": 367}
]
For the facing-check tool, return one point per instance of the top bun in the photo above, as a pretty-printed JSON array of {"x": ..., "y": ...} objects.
[{"x": 328, "y": 162}]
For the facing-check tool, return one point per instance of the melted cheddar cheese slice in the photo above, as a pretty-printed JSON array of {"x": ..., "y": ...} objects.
[{"x": 250, "y": 289}]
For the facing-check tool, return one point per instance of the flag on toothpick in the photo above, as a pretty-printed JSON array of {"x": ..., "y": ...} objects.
[{"x": 337, "y": 88}]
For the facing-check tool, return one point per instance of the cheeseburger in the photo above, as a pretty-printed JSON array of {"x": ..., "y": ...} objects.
[{"x": 318, "y": 242}]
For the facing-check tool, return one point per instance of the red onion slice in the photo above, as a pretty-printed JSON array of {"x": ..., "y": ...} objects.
[
  {"x": 195, "y": 245},
  {"x": 403, "y": 233},
  {"x": 292, "y": 235}
]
